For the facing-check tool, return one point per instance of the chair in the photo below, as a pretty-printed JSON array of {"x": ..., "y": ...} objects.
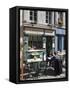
[{"x": 43, "y": 65}]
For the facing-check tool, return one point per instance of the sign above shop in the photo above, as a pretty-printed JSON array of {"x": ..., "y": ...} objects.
[
  {"x": 33, "y": 32},
  {"x": 40, "y": 33},
  {"x": 60, "y": 31}
]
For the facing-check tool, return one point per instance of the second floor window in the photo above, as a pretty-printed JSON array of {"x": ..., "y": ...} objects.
[
  {"x": 48, "y": 17},
  {"x": 33, "y": 16},
  {"x": 60, "y": 15},
  {"x": 60, "y": 18}
]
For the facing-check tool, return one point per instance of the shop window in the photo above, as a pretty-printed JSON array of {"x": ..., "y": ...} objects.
[
  {"x": 35, "y": 42},
  {"x": 35, "y": 50}
]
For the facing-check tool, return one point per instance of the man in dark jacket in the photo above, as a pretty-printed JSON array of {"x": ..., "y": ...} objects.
[{"x": 56, "y": 64}]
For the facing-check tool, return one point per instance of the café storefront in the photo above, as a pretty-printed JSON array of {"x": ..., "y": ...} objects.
[{"x": 38, "y": 42}]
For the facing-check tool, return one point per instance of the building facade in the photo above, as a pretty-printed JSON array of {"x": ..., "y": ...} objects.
[
  {"x": 40, "y": 33},
  {"x": 60, "y": 31},
  {"x": 45, "y": 23}
]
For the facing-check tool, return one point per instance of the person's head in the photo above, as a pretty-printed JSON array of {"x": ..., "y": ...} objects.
[
  {"x": 50, "y": 54},
  {"x": 55, "y": 53}
]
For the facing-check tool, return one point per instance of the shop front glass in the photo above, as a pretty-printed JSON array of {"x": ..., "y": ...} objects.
[{"x": 35, "y": 51}]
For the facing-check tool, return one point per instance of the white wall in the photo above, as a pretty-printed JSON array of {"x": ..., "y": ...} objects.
[
  {"x": 41, "y": 17},
  {"x": 21, "y": 17},
  {"x": 26, "y": 15}
]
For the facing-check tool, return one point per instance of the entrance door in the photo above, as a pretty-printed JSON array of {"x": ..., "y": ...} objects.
[
  {"x": 59, "y": 43},
  {"x": 48, "y": 44}
]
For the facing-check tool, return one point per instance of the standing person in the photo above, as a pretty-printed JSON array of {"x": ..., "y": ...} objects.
[
  {"x": 56, "y": 55},
  {"x": 56, "y": 64},
  {"x": 50, "y": 55}
]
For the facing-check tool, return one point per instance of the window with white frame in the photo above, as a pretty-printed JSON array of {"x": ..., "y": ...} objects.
[
  {"x": 33, "y": 16},
  {"x": 48, "y": 17},
  {"x": 60, "y": 18},
  {"x": 60, "y": 15}
]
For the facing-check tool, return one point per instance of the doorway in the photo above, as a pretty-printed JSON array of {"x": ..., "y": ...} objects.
[{"x": 48, "y": 44}]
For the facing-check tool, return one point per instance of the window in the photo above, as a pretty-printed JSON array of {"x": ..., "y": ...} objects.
[
  {"x": 33, "y": 16},
  {"x": 35, "y": 41},
  {"x": 60, "y": 15},
  {"x": 48, "y": 17},
  {"x": 60, "y": 18},
  {"x": 55, "y": 18}
]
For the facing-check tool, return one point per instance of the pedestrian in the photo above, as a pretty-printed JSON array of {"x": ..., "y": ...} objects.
[
  {"x": 56, "y": 55},
  {"x": 50, "y": 55},
  {"x": 56, "y": 64}
]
